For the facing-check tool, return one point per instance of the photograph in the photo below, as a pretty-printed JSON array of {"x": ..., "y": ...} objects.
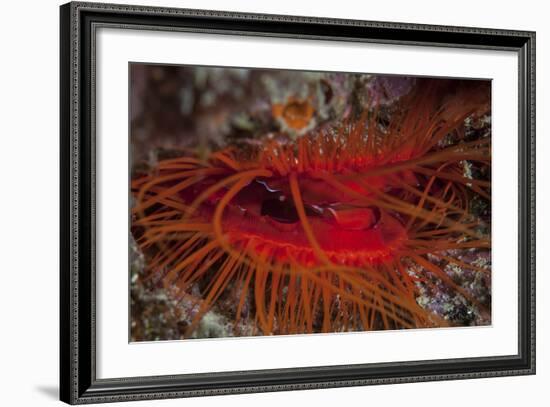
[
  {"x": 257, "y": 202},
  {"x": 275, "y": 204},
  {"x": 281, "y": 202}
]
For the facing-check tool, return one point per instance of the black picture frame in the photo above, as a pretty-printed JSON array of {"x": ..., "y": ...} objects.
[{"x": 78, "y": 382}]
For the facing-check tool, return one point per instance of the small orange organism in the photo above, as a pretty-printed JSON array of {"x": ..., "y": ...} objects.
[{"x": 295, "y": 113}]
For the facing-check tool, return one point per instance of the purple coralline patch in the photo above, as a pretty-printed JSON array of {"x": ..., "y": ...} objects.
[{"x": 385, "y": 90}]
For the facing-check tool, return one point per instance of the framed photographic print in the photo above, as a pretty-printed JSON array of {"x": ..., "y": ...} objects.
[{"x": 256, "y": 203}]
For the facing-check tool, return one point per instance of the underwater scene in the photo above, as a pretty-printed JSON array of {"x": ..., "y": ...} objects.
[{"x": 277, "y": 202}]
